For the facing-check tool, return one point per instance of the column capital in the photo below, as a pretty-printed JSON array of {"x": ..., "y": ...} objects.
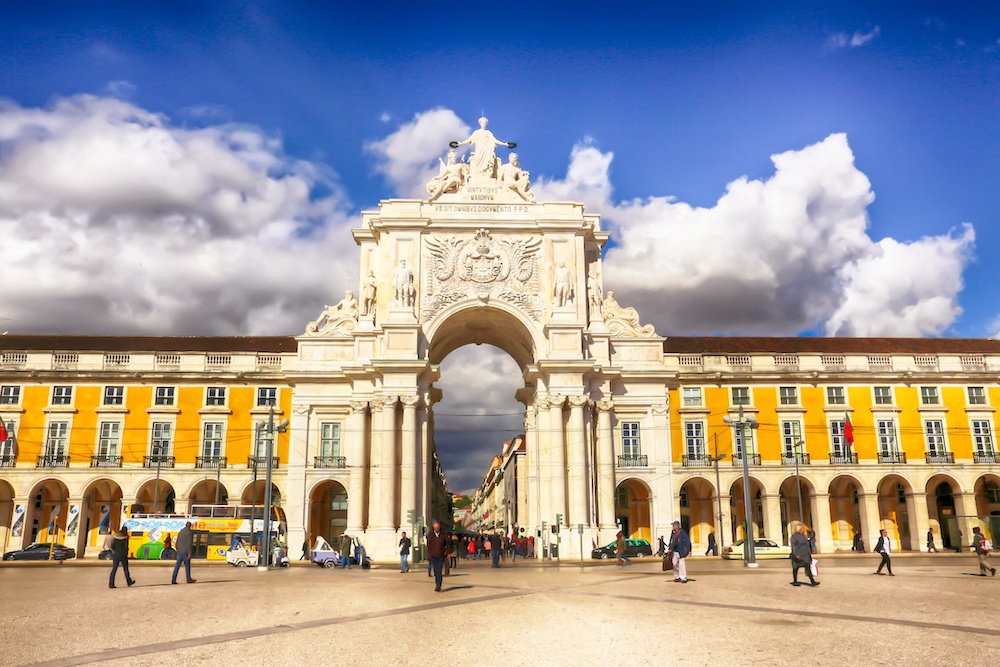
[
  {"x": 413, "y": 401},
  {"x": 554, "y": 401},
  {"x": 301, "y": 409},
  {"x": 530, "y": 418},
  {"x": 604, "y": 405},
  {"x": 660, "y": 408},
  {"x": 358, "y": 406},
  {"x": 383, "y": 402},
  {"x": 578, "y": 401}
]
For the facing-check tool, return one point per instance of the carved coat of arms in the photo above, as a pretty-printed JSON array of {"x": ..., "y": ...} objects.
[{"x": 481, "y": 267}]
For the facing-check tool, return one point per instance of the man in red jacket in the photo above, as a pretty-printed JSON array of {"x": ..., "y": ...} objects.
[{"x": 437, "y": 551}]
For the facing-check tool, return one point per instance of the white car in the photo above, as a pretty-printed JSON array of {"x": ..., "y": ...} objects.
[
  {"x": 241, "y": 555},
  {"x": 762, "y": 549}
]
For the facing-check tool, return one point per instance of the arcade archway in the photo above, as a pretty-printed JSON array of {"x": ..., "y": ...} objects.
[
  {"x": 208, "y": 492},
  {"x": 633, "y": 509},
  {"x": 155, "y": 499},
  {"x": 697, "y": 507},
  {"x": 845, "y": 510},
  {"x": 327, "y": 512},
  {"x": 894, "y": 510},
  {"x": 101, "y": 514},
  {"x": 738, "y": 514},
  {"x": 47, "y": 515},
  {"x": 253, "y": 493},
  {"x": 791, "y": 501}
]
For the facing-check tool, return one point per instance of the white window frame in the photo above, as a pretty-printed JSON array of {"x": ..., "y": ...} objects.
[
  {"x": 56, "y": 432},
  {"x": 739, "y": 439},
  {"x": 842, "y": 396},
  {"x": 263, "y": 401},
  {"x": 7, "y": 446},
  {"x": 165, "y": 396},
  {"x": 732, "y": 396},
  {"x": 260, "y": 436},
  {"x": 218, "y": 435},
  {"x": 876, "y": 398},
  {"x": 216, "y": 396},
  {"x": 785, "y": 399},
  {"x": 631, "y": 439},
  {"x": 791, "y": 432},
  {"x": 161, "y": 434},
  {"x": 930, "y": 396},
  {"x": 10, "y": 394},
  {"x": 982, "y": 436},
  {"x": 691, "y": 397},
  {"x": 114, "y": 394},
  {"x": 62, "y": 394},
  {"x": 109, "y": 439},
  {"x": 934, "y": 432},
  {"x": 888, "y": 436},
  {"x": 980, "y": 395},
  {"x": 694, "y": 439},
  {"x": 838, "y": 441},
  {"x": 330, "y": 439}
]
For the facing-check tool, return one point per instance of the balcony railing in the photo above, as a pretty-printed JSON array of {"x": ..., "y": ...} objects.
[
  {"x": 789, "y": 459},
  {"x": 848, "y": 458},
  {"x": 157, "y": 461},
  {"x": 52, "y": 461},
  {"x": 210, "y": 462},
  {"x": 105, "y": 462},
  {"x": 256, "y": 462},
  {"x": 629, "y": 461},
  {"x": 698, "y": 461},
  {"x": 330, "y": 462},
  {"x": 940, "y": 457},
  {"x": 753, "y": 460},
  {"x": 891, "y": 457},
  {"x": 8, "y": 461},
  {"x": 984, "y": 457}
]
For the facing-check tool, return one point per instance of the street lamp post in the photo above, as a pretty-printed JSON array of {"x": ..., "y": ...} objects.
[
  {"x": 156, "y": 491},
  {"x": 718, "y": 490},
  {"x": 798, "y": 478},
  {"x": 741, "y": 424},
  {"x": 271, "y": 429}
]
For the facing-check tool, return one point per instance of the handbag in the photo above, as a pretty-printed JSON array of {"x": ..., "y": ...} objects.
[
  {"x": 814, "y": 567},
  {"x": 667, "y": 561}
]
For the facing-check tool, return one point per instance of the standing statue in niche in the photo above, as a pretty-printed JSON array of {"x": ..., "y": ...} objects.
[
  {"x": 516, "y": 179},
  {"x": 595, "y": 297},
  {"x": 562, "y": 291},
  {"x": 450, "y": 177},
  {"x": 483, "y": 161},
  {"x": 369, "y": 286},
  {"x": 402, "y": 282}
]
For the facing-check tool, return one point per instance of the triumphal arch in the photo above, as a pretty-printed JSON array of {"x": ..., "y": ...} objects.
[{"x": 479, "y": 260}]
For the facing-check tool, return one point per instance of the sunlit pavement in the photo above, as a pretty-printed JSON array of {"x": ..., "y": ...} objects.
[{"x": 933, "y": 612}]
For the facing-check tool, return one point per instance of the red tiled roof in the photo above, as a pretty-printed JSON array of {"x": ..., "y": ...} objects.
[
  {"x": 267, "y": 344},
  {"x": 788, "y": 345}
]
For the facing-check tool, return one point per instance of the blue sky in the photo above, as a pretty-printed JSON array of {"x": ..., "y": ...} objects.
[{"x": 622, "y": 105}]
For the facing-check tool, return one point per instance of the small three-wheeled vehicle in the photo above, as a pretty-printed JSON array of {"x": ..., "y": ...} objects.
[{"x": 325, "y": 555}]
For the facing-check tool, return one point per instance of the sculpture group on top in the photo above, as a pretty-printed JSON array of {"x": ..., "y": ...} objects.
[
  {"x": 341, "y": 318},
  {"x": 483, "y": 167}
]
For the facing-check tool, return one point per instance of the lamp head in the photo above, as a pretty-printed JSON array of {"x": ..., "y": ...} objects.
[{"x": 727, "y": 419}]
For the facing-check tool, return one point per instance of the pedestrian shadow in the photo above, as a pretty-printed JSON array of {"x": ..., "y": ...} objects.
[{"x": 457, "y": 588}]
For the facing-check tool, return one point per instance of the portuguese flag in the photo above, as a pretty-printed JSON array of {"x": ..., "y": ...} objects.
[{"x": 848, "y": 430}]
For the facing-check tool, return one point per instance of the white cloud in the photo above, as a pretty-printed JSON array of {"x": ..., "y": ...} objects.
[
  {"x": 780, "y": 256},
  {"x": 842, "y": 40},
  {"x": 407, "y": 156},
  {"x": 126, "y": 223}
]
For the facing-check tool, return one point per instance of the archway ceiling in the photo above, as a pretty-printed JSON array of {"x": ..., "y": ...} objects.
[{"x": 483, "y": 325}]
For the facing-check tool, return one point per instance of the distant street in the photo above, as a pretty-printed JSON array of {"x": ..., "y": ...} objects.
[{"x": 931, "y": 613}]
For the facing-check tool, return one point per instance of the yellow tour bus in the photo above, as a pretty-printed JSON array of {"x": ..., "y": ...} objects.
[{"x": 214, "y": 527}]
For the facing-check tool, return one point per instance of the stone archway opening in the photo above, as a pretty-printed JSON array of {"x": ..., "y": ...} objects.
[
  {"x": 698, "y": 511},
  {"x": 157, "y": 497},
  {"x": 738, "y": 513},
  {"x": 47, "y": 515},
  {"x": 791, "y": 500},
  {"x": 845, "y": 511},
  {"x": 894, "y": 510},
  {"x": 208, "y": 492},
  {"x": 327, "y": 512},
  {"x": 254, "y": 493},
  {"x": 945, "y": 515},
  {"x": 6, "y": 513},
  {"x": 101, "y": 514},
  {"x": 633, "y": 510}
]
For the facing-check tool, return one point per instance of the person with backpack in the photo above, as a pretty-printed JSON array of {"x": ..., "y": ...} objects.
[
  {"x": 982, "y": 546},
  {"x": 883, "y": 547},
  {"x": 119, "y": 554}
]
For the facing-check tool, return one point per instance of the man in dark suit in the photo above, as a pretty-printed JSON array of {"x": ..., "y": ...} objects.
[
  {"x": 883, "y": 548},
  {"x": 183, "y": 544},
  {"x": 437, "y": 551}
]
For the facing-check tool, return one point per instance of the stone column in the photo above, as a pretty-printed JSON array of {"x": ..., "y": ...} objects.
[
  {"x": 557, "y": 461},
  {"x": 426, "y": 426},
  {"x": 388, "y": 464},
  {"x": 771, "y": 504},
  {"x": 605, "y": 467},
  {"x": 358, "y": 464},
  {"x": 820, "y": 506},
  {"x": 661, "y": 458},
  {"x": 576, "y": 437},
  {"x": 871, "y": 522},
  {"x": 296, "y": 500},
  {"x": 408, "y": 472},
  {"x": 530, "y": 510},
  {"x": 919, "y": 521}
]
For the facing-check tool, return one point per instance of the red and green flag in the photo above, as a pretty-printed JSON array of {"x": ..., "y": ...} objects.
[{"x": 848, "y": 430}]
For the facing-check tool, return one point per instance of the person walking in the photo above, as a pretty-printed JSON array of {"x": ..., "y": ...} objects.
[
  {"x": 930, "y": 541},
  {"x": 495, "y": 549},
  {"x": 982, "y": 547},
  {"x": 305, "y": 550},
  {"x": 661, "y": 547},
  {"x": 345, "y": 551},
  {"x": 119, "y": 556},
  {"x": 183, "y": 545},
  {"x": 713, "y": 546},
  {"x": 883, "y": 547},
  {"x": 620, "y": 550},
  {"x": 856, "y": 543},
  {"x": 801, "y": 556},
  {"x": 437, "y": 551},
  {"x": 404, "y": 554},
  {"x": 680, "y": 548}
]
